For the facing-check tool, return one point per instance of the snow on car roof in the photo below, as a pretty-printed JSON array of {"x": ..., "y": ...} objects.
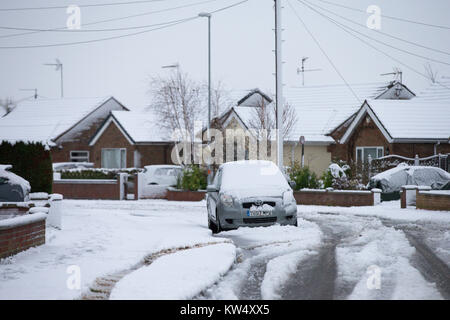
[
  {"x": 14, "y": 179},
  {"x": 41, "y": 120}
]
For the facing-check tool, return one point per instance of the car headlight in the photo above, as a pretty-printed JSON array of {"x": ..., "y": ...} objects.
[
  {"x": 226, "y": 199},
  {"x": 288, "y": 198}
]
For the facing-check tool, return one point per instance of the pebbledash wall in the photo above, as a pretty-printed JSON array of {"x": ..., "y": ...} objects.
[
  {"x": 21, "y": 233},
  {"x": 433, "y": 200},
  {"x": 338, "y": 198}
]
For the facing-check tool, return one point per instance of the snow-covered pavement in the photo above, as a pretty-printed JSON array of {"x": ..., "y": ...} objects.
[{"x": 163, "y": 250}]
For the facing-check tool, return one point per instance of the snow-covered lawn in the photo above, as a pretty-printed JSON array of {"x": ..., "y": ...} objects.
[{"x": 101, "y": 237}]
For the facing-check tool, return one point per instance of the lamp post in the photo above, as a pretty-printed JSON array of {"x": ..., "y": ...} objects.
[
  {"x": 59, "y": 67},
  {"x": 208, "y": 15}
]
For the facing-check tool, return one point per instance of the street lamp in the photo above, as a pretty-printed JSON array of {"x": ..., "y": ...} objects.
[
  {"x": 59, "y": 67},
  {"x": 208, "y": 15}
]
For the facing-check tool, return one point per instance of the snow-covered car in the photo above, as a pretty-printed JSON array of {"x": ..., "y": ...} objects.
[
  {"x": 162, "y": 175},
  {"x": 250, "y": 193},
  {"x": 391, "y": 181},
  {"x": 12, "y": 187}
]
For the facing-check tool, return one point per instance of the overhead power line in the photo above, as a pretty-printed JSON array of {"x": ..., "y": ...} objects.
[
  {"x": 323, "y": 51},
  {"x": 378, "y": 31},
  {"x": 81, "y": 6},
  {"x": 165, "y": 25},
  {"x": 345, "y": 29},
  {"x": 64, "y": 29},
  {"x": 101, "y": 39},
  {"x": 382, "y": 42},
  {"x": 388, "y": 17}
]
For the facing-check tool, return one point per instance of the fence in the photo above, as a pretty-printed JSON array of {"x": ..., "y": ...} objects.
[{"x": 363, "y": 171}]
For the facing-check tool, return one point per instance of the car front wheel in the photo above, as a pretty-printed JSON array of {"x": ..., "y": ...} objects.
[{"x": 213, "y": 226}]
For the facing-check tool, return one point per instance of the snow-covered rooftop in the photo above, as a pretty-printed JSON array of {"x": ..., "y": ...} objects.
[
  {"x": 141, "y": 127},
  {"x": 42, "y": 120},
  {"x": 413, "y": 119},
  {"x": 438, "y": 91},
  {"x": 319, "y": 109}
]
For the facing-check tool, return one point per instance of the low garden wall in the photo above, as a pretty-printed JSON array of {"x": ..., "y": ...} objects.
[
  {"x": 94, "y": 189},
  {"x": 182, "y": 195},
  {"x": 433, "y": 200},
  {"x": 339, "y": 198},
  {"x": 22, "y": 232}
]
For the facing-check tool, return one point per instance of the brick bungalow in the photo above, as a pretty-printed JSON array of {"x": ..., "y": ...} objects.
[
  {"x": 319, "y": 110},
  {"x": 406, "y": 128},
  {"x": 98, "y": 130},
  {"x": 130, "y": 139}
]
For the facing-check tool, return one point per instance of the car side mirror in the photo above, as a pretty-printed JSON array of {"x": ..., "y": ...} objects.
[
  {"x": 212, "y": 188},
  {"x": 292, "y": 184}
]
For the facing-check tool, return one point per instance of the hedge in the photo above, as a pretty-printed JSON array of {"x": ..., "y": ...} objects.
[{"x": 31, "y": 161}]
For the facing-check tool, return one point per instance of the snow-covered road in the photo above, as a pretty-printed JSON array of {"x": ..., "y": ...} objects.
[{"x": 164, "y": 250}]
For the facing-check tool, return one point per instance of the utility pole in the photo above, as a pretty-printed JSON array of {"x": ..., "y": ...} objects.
[
  {"x": 58, "y": 67},
  {"x": 279, "y": 82},
  {"x": 208, "y": 126},
  {"x": 302, "y": 70}
]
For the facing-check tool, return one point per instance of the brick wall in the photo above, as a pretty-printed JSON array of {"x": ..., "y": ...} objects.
[
  {"x": 88, "y": 189},
  {"x": 335, "y": 198},
  {"x": 432, "y": 201},
  {"x": 112, "y": 138},
  {"x": 14, "y": 239},
  {"x": 185, "y": 195}
]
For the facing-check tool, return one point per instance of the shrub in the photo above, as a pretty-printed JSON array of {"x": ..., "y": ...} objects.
[
  {"x": 194, "y": 178},
  {"x": 339, "y": 178},
  {"x": 303, "y": 177},
  {"x": 327, "y": 179},
  {"x": 31, "y": 161}
]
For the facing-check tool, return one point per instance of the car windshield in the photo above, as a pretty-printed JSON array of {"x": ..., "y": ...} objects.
[{"x": 251, "y": 175}]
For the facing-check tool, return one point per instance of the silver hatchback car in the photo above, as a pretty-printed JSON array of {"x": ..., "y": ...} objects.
[{"x": 250, "y": 193}]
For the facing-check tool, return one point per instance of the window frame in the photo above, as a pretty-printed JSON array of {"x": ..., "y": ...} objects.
[
  {"x": 368, "y": 147},
  {"x": 72, "y": 157},
  {"x": 120, "y": 151}
]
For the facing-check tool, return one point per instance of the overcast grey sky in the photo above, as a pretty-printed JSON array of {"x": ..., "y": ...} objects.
[{"x": 243, "y": 41}]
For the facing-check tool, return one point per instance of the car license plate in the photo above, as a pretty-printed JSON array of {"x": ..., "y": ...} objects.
[{"x": 258, "y": 213}]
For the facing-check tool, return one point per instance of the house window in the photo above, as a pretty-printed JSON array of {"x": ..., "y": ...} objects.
[
  {"x": 363, "y": 153},
  {"x": 114, "y": 158},
  {"x": 79, "y": 156}
]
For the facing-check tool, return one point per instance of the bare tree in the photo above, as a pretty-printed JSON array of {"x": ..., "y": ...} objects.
[
  {"x": 264, "y": 118},
  {"x": 7, "y": 104},
  {"x": 430, "y": 72},
  {"x": 177, "y": 102},
  {"x": 220, "y": 99}
]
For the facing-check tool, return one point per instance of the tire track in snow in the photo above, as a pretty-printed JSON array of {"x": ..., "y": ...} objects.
[
  {"x": 102, "y": 287},
  {"x": 432, "y": 268}
]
